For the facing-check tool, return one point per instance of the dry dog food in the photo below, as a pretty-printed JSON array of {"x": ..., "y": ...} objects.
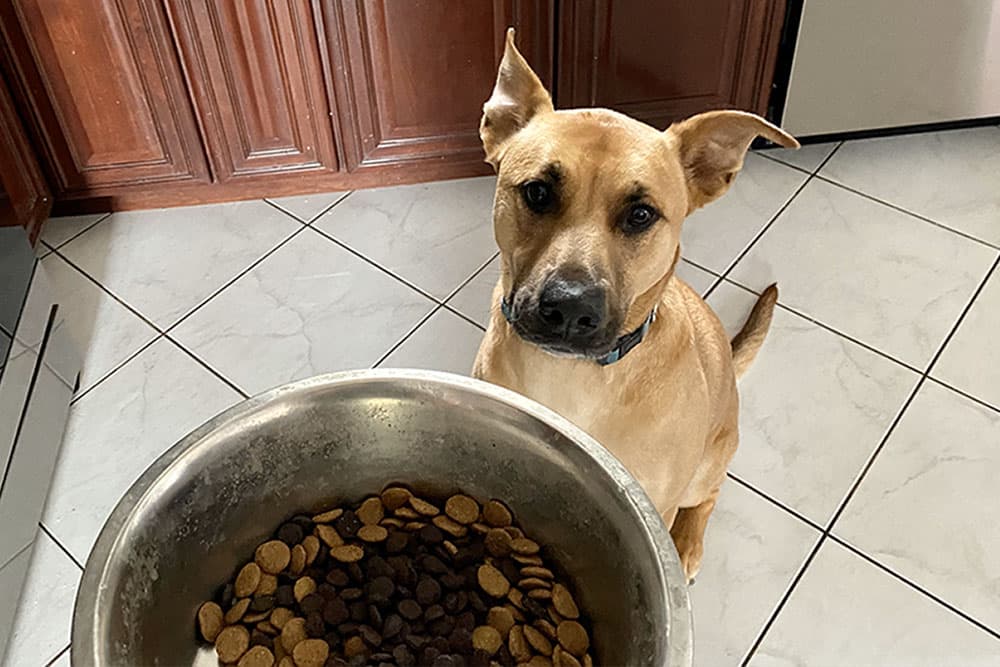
[{"x": 398, "y": 581}]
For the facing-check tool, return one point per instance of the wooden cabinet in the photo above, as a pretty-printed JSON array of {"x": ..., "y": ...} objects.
[
  {"x": 258, "y": 82},
  {"x": 102, "y": 84},
  {"x": 144, "y": 103},
  {"x": 665, "y": 60}
]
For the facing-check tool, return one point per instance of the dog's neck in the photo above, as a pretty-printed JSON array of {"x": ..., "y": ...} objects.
[{"x": 644, "y": 304}]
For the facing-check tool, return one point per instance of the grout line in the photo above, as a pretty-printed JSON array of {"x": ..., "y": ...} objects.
[
  {"x": 80, "y": 233},
  {"x": 330, "y": 207},
  {"x": 900, "y": 209},
  {"x": 407, "y": 335},
  {"x": 115, "y": 369},
  {"x": 774, "y": 501},
  {"x": 967, "y": 395},
  {"x": 324, "y": 211},
  {"x": 780, "y": 161},
  {"x": 460, "y": 314},
  {"x": 232, "y": 385},
  {"x": 378, "y": 266},
  {"x": 699, "y": 266},
  {"x": 823, "y": 325},
  {"x": 784, "y": 599},
  {"x": 58, "y": 655},
  {"x": 468, "y": 280},
  {"x": 915, "y": 586},
  {"x": 16, "y": 554},
  {"x": 60, "y": 545}
]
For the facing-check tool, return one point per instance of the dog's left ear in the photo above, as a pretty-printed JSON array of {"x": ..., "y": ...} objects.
[
  {"x": 517, "y": 97},
  {"x": 712, "y": 146}
]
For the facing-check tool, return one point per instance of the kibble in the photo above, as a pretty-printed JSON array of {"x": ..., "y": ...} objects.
[{"x": 398, "y": 580}]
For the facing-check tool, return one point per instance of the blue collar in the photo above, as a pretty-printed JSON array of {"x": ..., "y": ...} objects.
[{"x": 623, "y": 345}]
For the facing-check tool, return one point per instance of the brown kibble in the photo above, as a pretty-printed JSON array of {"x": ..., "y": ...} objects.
[
  {"x": 498, "y": 542},
  {"x": 236, "y": 612},
  {"x": 501, "y": 620},
  {"x": 232, "y": 643},
  {"x": 298, "y": 561},
  {"x": 311, "y": 653},
  {"x": 372, "y": 533},
  {"x": 588, "y": 661},
  {"x": 547, "y": 628},
  {"x": 462, "y": 509},
  {"x": 311, "y": 545},
  {"x": 450, "y": 548},
  {"x": 293, "y": 633},
  {"x": 516, "y": 597},
  {"x": 280, "y": 653},
  {"x": 392, "y": 522},
  {"x": 354, "y": 646},
  {"x": 524, "y": 546},
  {"x": 329, "y": 536},
  {"x": 514, "y": 611},
  {"x": 480, "y": 528},
  {"x": 269, "y": 583},
  {"x": 492, "y": 581},
  {"x": 517, "y": 644},
  {"x": 450, "y": 526},
  {"x": 407, "y": 513},
  {"x": 533, "y": 582},
  {"x": 537, "y": 640},
  {"x": 257, "y": 656},
  {"x": 573, "y": 637},
  {"x": 371, "y": 511},
  {"x": 327, "y": 517},
  {"x": 514, "y": 532},
  {"x": 486, "y": 638},
  {"x": 267, "y": 628},
  {"x": 348, "y": 553},
  {"x": 555, "y": 615},
  {"x": 423, "y": 507},
  {"x": 304, "y": 586},
  {"x": 273, "y": 556},
  {"x": 280, "y": 616},
  {"x": 535, "y": 571},
  {"x": 539, "y": 661},
  {"x": 496, "y": 514},
  {"x": 563, "y": 602},
  {"x": 528, "y": 560},
  {"x": 256, "y": 617},
  {"x": 561, "y": 658},
  {"x": 540, "y": 594},
  {"x": 286, "y": 661},
  {"x": 210, "y": 620},
  {"x": 247, "y": 580},
  {"x": 395, "y": 497},
  {"x": 414, "y": 526}
]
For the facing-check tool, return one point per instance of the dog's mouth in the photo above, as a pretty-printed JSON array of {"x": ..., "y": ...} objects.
[{"x": 591, "y": 349}]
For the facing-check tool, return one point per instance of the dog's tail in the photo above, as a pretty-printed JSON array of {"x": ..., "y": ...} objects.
[{"x": 748, "y": 341}]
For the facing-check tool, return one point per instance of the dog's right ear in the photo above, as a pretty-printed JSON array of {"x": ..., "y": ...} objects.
[{"x": 517, "y": 97}]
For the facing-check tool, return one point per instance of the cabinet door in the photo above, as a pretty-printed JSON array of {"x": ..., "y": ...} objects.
[
  {"x": 256, "y": 71},
  {"x": 661, "y": 61},
  {"x": 414, "y": 74},
  {"x": 24, "y": 195},
  {"x": 105, "y": 92}
]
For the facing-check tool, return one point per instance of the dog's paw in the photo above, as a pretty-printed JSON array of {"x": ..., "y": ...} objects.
[{"x": 690, "y": 552}]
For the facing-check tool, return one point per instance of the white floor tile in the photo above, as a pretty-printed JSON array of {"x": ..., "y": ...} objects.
[
  {"x": 752, "y": 551},
  {"x": 971, "y": 362},
  {"x": 307, "y": 207},
  {"x": 63, "y": 660},
  {"x": 697, "y": 278},
  {"x": 476, "y": 298},
  {"x": 445, "y": 342},
  {"x": 813, "y": 408},
  {"x": 45, "y": 612},
  {"x": 713, "y": 236},
  {"x": 59, "y": 230},
  {"x": 951, "y": 177},
  {"x": 928, "y": 507},
  {"x": 886, "y": 278},
  {"x": 105, "y": 331},
  {"x": 435, "y": 235},
  {"x": 310, "y": 308},
  {"x": 117, "y": 430},
  {"x": 164, "y": 262},
  {"x": 845, "y": 611},
  {"x": 809, "y": 157}
]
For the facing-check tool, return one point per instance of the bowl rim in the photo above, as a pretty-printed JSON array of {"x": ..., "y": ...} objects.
[{"x": 84, "y": 637}]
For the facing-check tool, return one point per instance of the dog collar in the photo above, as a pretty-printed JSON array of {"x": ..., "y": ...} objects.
[{"x": 623, "y": 345}]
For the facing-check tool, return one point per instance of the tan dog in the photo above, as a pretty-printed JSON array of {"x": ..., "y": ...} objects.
[{"x": 587, "y": 214}]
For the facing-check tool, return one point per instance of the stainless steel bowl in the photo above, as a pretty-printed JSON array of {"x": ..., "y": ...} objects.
[{"x": 203, "y": 506}]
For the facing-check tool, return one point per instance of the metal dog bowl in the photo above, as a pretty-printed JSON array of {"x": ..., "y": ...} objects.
[{"x": 202, "y": 507}]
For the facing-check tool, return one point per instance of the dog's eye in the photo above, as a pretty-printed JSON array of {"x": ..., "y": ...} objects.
[
  {"x": 538, "y": 196},
  {"x": 639, "y": 218}
]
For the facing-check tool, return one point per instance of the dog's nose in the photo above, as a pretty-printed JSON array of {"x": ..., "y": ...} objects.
[{"x": 572, "y": 308}]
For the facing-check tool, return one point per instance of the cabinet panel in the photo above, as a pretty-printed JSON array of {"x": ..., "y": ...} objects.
[
  {"x": 257, "y": 75},
  {"x": 720, "y": 54},
  {"x": 105, "y": 91},
  {"x": 418, "y": 72}
]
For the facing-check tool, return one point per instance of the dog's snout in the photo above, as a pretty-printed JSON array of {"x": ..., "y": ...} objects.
[{"x": 572, "y": 308}]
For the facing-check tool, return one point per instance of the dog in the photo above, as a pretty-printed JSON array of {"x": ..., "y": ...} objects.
[{"x": 588, "y": 317}]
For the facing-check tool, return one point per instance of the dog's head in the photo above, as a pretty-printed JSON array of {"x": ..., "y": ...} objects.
[{"x": 589, "y": 205}]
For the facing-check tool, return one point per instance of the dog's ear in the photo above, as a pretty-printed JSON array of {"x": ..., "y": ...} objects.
[
  {"x": 712, "y": 146},
  {"x": 517, "y": 98}
]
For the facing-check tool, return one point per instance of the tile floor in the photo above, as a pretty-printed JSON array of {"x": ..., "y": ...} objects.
[{"x": 861, "y": 524}]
